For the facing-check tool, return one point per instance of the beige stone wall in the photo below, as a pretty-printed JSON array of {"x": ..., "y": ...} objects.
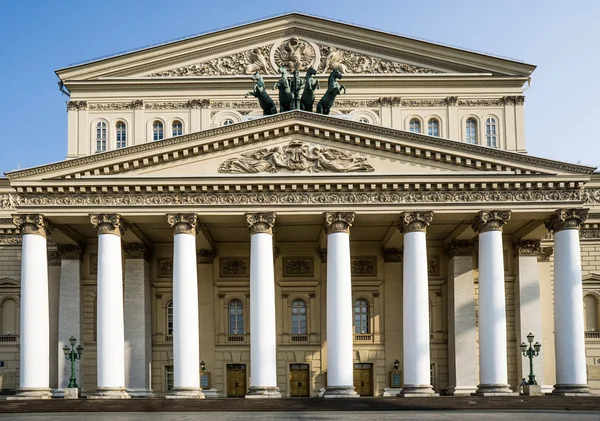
[{"x": 10, "y": 271}]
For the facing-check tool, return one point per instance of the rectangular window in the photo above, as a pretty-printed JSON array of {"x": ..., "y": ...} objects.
[{"x": 169, "y": 379}]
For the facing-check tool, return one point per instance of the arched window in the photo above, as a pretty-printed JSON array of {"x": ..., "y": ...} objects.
[
  {"x": 490, "y": 132},
  {"x": 121, "y": 134},
  {"x": 590, "y": 304},
  {"x": 227, "y": 122},
  {"x": 9, "y": 317},
  {"x": 364, "y": 120},
  {"x": 433, "y": 127},
  {"x": 361, "y": 317},
  {"x": 298, "y": 317},
  {"x": 158, "y": 130},
  {"x": 170, "y": 318},
  {"x": 101, "y": 136},
  {"x": 414, "y": 126},
  {"x": 471, "y": 131},
  {"x": 177, "y": 127},
  {"x": 236, "y": 318}
]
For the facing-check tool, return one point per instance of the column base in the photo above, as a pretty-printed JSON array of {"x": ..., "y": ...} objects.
[
  {"x": 391, "y": 391},
  {"x": 340, "y": 392},
  {"x": 495, "y": 390},
  {"x": 30, "y": 393},
  {"x": 185, "y": 393},
  {"x": 141, "y": 393},
  {"x": 418, "y": 391},
  {"x": 461, "y": 391},
  {"x": 110, "y": 393},
  {"x": 571, "y": 390},
  {"x": 210, "y": 393},
  {"x": 263, "y": 392}
]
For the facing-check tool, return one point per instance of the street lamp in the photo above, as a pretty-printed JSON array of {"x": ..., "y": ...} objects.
[
  {"x": 72, "y": 354},
  {"x": 202, "y": 366},
  {"x": 396, "y": 364},
  {"x": 532, "y": 351}
]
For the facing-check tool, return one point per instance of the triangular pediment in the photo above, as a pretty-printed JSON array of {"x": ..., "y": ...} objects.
[
  {"x": 297, "y": 142},
  {"x": 295, "y": 41},
  {"x": 9, "y": 283}
]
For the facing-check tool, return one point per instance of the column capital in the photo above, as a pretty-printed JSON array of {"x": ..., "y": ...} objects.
[
  {"x": 53, "y": 258},
  {"x": 109, "y": 223},
  {"x": 261, "y": 222},
  {"x": 564, "y": 219},
  {"x": 460, "y": 248},
  {"x": 527, "y": 248},
  {"x": 70, "y": 251},
  {"x": 392, "y": 254},
  {"x": 414, "y": 221},
  {"x": 183, "y": 223},
  {"x": 135, "y": 251},
  {"x": 338, "y": 221},
  {"x": 492, "y": 220},
  {"x": 33, "y": 224},
  {"x": 205, "y": 256}
]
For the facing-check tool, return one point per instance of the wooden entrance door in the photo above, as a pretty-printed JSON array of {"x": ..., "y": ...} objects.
[
  {"x": 299, "y": 380},
  {"x": 363, "y": 379},
  {"x": 236, "y": 380}
]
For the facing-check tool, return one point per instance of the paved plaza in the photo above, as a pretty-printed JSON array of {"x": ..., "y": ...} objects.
[{"x": 312, "y": 416}]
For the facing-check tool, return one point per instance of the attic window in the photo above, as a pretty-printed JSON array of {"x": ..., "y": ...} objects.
[
  {"x": 471, "y": 131},
  {"x": 177, "y": 128},
  {"x": 158, "y": 132},
  {"x": 121, "y": 134},
  {"x": 227, "y": 122},
  {"x": 364, "y": 120},
  {"x": 433, "y": 127},
  {"x": 414, "y": 126},
  {"x": 490, "y": 132},
  {"x": 101, "y": 136}
]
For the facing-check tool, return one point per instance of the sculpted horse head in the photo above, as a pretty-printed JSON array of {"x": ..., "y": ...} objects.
[{"x": 333, "y": 78}]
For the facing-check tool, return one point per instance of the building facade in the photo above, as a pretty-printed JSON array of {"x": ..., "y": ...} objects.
[{"x": 404, "y": 243}]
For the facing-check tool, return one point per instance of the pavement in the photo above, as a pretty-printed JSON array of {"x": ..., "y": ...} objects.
[{"x": 313, "y": 416}]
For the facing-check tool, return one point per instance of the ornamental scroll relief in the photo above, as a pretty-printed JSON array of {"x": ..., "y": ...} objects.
[
  {"x": 296, "y": 156},
  {"x": 292, "y": 53}
]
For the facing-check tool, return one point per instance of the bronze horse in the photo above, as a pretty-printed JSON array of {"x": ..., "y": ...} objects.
[
  {"x": 308, "y": 94},
  {"x": 333, "y": 89},
  {"x": 260, "y": 93},
  {"x": 286, "y": 99}
]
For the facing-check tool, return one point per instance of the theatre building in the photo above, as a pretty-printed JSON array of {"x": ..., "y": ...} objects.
[{"x": 405, "y": 243}]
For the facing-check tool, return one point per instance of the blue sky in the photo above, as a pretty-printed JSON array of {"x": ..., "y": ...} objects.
[{"x": 562, "y": 106}]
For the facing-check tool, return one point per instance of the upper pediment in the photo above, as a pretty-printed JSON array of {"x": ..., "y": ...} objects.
[
  {"x": 298, "y": 142},
  {"x": 295, "y": 41}
]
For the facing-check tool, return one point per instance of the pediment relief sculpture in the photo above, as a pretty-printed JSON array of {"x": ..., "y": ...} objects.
[
  {"x": 296, "y": 156},
  {"x": 293, "y": 54}
]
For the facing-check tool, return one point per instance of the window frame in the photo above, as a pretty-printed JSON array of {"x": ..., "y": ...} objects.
[
  {"x": 239, "y": 317},
  {"x": 415, "y": 121},
  {"x": 158, "y": 133},
  {"x": 437, "y": 126},
  {"x": 471, "y": 128},
  {"x": 299, "y": 327},
  {"x": 364, "y": 317},
  {"x": 169, "y": 317},
  {"x": 120, "y": 134},
  {"x": 180, "y": 124},
  {"x": 101, "y": 142},
  {"x": 491, "y": 132}
]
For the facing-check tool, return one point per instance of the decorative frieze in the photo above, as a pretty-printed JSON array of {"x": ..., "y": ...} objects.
[
  {"x": 480, "y": 102},
  {"x": 135, "y": 251},
  {"x": 76, "y": 105},
  {"x": 415, "y": 221},
  {"x": 261, "y": 222},
  {"x": 33, "y": 224},
  {"x": 298, "y": 266},
  {"x": 490, "y": 220},
  {"x": 70, "y": 251},
  {"x": 423, "y": 102},
  {"x": 589, "y": 234},
  {"x": 164, "y": 267},
  {"x": 460, "y": 248},
  {"x": 433, "y": 266},
  {"x": 234, "y": 267},
  {"x": 205, "y": 256},
  {"x": 392, "y": 254},
  {"x": 564, "y": 219},
  {"x": 296, "y": 156},
  {"x": 545, "y": 254},
  {"x": 527, "y": 248},
  {"x": 183, "y": 223},
  {"x": 338, "y": 222},
  {"x": 109, "y": 223},
  {"x": 10, "y": 240},
  {"x": 363, "y": 266}
]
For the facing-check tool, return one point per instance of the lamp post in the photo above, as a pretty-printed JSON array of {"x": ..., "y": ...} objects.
[
  {"x": 72, "y": 354},
  {"x": 532, "y": 351}
]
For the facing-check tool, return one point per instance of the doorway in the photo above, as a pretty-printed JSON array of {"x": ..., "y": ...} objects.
[
  {"x": 299, "y": 380},
  {"x": 236, "y": 380},
  {"x": 363, "y": 379}
]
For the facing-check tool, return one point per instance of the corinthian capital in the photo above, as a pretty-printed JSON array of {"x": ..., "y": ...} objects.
[
  {"x": 33, "y": 224},
  {"x": 338, "y": 221},
  {"x": 70, "y": 251},
  {"x": 527, "y": 248},
  {"x": 490, "y": 220},
  {"x": 415, "y": 221},
  {"x": 183, "y": 223},
  {"x": 566, "y": 219},
  {"x": 261, "y": 222},
  {"x": 109, "y": 223}
]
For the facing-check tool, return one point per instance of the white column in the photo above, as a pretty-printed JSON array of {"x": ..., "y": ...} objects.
[
  {"x": 528, "y": 305},
  {"x": 110, "y": 341},
  {"x": 35, "y": 316},
  {"x": 571, "y": 377},
  {"x": 186, "y": 334},
  {"x": 493, "y": 370},
  {"x": 340, "y": 367},
  {"x": 70, "y": 312},
  {"x": 138, "y": 343},
  {"x": 263, "y": 352},
  {"x": 415, "y": 304},
  {"x": 462, "y": 332}
]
